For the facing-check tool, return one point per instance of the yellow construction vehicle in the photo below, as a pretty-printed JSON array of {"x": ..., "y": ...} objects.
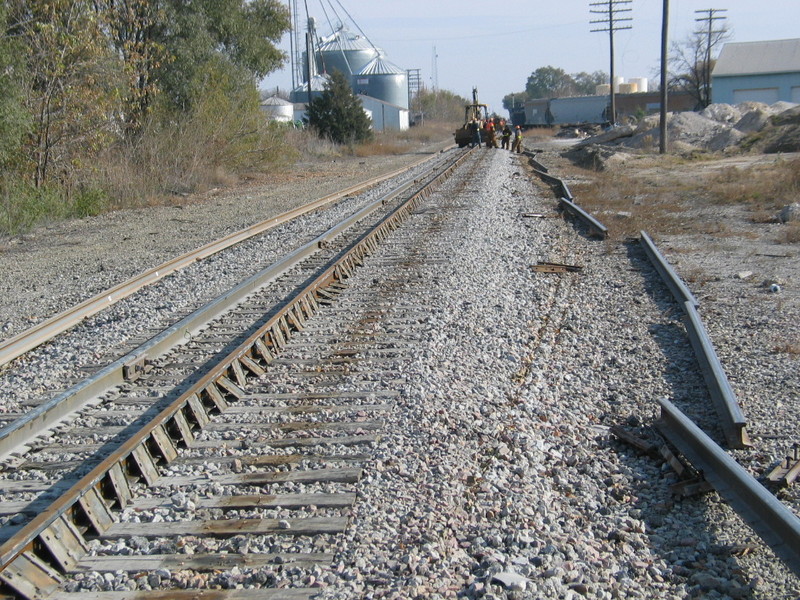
[{"x": 472, "y": 112}]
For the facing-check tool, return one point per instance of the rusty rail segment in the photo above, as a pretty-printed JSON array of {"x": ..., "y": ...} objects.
[
  {"x": 31, "y": 562},
  {"x": 46, "y": 330},
  {"x": 778, "y": 526},
  {"x": 727, "y": 406},
  {"x": 49, "y": 413}
]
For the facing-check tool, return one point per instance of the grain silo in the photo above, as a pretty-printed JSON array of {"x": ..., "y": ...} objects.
[
  {"x": 345, "y": 51},
  {"x": 300, "y": 93},
  {"x": 382, "y": 80},
  {"x": 278, "y": 109}
]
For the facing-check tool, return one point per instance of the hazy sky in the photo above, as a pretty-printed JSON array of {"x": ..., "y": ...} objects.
[{"x": 496, "y": 46}]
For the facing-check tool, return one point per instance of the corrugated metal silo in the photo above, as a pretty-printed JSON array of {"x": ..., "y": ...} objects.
[
  {"x": 344, "y": 51},
  {"x": 382, "y": 80},
  {"x": 300, "y": 93},
  {"x": 278, "y": 109}
]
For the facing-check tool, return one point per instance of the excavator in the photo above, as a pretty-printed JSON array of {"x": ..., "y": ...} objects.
[{"x": 476, "y": 111}]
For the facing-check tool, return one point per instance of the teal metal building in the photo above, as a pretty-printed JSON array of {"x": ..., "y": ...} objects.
[{"x": 757, "y": 71}]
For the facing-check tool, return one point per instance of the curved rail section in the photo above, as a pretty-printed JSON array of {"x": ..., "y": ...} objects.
[
  {"x": 765, "y": 514},
  {"x": 32, "y": 560},
  {"x": 566, "y": 200},
  {"x": 48, "y": 414},
  {"x": 48, "y": 329},
  {"x": 727, "y": 406}
]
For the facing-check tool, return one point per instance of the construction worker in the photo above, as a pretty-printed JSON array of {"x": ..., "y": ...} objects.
[
  {"x": 476, "y": 133},
  {"x": 517, "y": 147},
  {"x": 491, "y": 138},
  {"x": 506, "y": 137}
]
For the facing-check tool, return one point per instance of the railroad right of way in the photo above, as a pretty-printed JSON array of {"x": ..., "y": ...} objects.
[{"x": 493, "y": 390}]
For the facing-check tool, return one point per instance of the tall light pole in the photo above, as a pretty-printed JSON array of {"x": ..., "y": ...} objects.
[{"x": 611, "y": 23}]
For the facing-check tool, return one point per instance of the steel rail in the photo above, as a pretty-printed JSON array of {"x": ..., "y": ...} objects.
[
  {"x": 679, "y": 290},
  {"x": 727, "y": 407},
  {"x": 725, "y": 403},
  {"x": 56, "y": 531},
  {"x": 595, "y": 226},
  {"x": 15, "y": 435},
  {"x": 778, "y": 526},
  {"x": 35, "y": 336}
]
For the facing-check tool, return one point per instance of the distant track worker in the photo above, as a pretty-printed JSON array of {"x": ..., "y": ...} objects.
[
  {"x": 491, "y": 137},
  {"x": 517, "y": 147},
  {"x": 505, "y": 138}
]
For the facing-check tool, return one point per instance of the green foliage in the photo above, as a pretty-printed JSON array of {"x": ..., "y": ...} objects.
[
  {"x": 441, "y": 105},
  {"x": 14, "y": 117},
  {"x": 548, "y": 82},
  {"x": 337, "y": 114},
  {"x": 24, "y": 205},
  {"x": 552, "y": 82}
]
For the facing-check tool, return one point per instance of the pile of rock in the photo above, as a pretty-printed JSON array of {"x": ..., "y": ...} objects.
[{"x": 770, "y": 128}]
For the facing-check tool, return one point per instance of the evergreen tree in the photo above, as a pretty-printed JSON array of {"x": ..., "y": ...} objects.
[{"x": 337, "y": 114}]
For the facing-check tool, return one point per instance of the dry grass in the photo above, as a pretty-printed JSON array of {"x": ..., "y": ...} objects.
[{"x": 645, "y": 194}]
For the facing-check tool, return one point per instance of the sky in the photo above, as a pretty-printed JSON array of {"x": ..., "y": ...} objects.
[{"x": 461, "y": 44}]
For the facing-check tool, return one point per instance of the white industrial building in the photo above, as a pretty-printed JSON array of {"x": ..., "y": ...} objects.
[{"x": 757, "y": 71}]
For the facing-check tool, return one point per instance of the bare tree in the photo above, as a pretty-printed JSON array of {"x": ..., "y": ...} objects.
[{"x": 692, "y": 61}]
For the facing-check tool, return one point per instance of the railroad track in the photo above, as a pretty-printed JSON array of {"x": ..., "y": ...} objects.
[
  {"x": 249, "y": 475},
  {"x": 104, "y": 455}
]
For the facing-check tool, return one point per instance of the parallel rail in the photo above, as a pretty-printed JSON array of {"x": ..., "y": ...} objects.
[
  {"x": 48, "y": 414},
  {"x": 46, "y": 330},
  {"x": 31, "y": 561}
]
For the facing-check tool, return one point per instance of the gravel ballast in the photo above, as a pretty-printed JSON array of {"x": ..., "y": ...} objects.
[{"x": 496, "y": 475}]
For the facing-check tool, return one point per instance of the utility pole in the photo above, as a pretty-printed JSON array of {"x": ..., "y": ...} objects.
[
  {"x": 711, "y": 15},
  {"x": 435, "y": 71},
  {"x": 662, "y": 144},
  {"x": 611, "y": 23}
]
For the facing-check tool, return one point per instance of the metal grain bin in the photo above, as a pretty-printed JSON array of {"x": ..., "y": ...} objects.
[
  {"x": 345, "y": 51},
  {"x": 382, "y": 80},
  {"x": 300, "y": 93},
  {"x": 278, "y": 109}
]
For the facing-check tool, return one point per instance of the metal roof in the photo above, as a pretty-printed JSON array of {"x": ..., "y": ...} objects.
[
  {"x": 381, "y": 66},
  {"x": 275, "y": 101},
  {"x": 755, "y": 58},
  {"x": 343, "y": 39}
]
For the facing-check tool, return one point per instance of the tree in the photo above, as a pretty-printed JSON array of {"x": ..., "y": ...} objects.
[
  {"x": 337, "y": 114},
  {"x": 69, "y": 83},
  {"x": 442, "y": 105},
  {"x": 549, "y": 82},
  {"x": 14, "y": 117},
  {"x": 585, "y": 84},
  {"x": 692, "y": 62}
]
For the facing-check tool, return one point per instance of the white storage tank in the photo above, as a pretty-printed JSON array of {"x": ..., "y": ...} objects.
[
  {"x": 617, "y": 82},
  {"x": 278, "y": 109},
  {"x": 382, "y": 80},
  {"x": 641, "y": 83},
  {"x": 628, "y": 88},
  {"x": 603, "y": 89}
]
